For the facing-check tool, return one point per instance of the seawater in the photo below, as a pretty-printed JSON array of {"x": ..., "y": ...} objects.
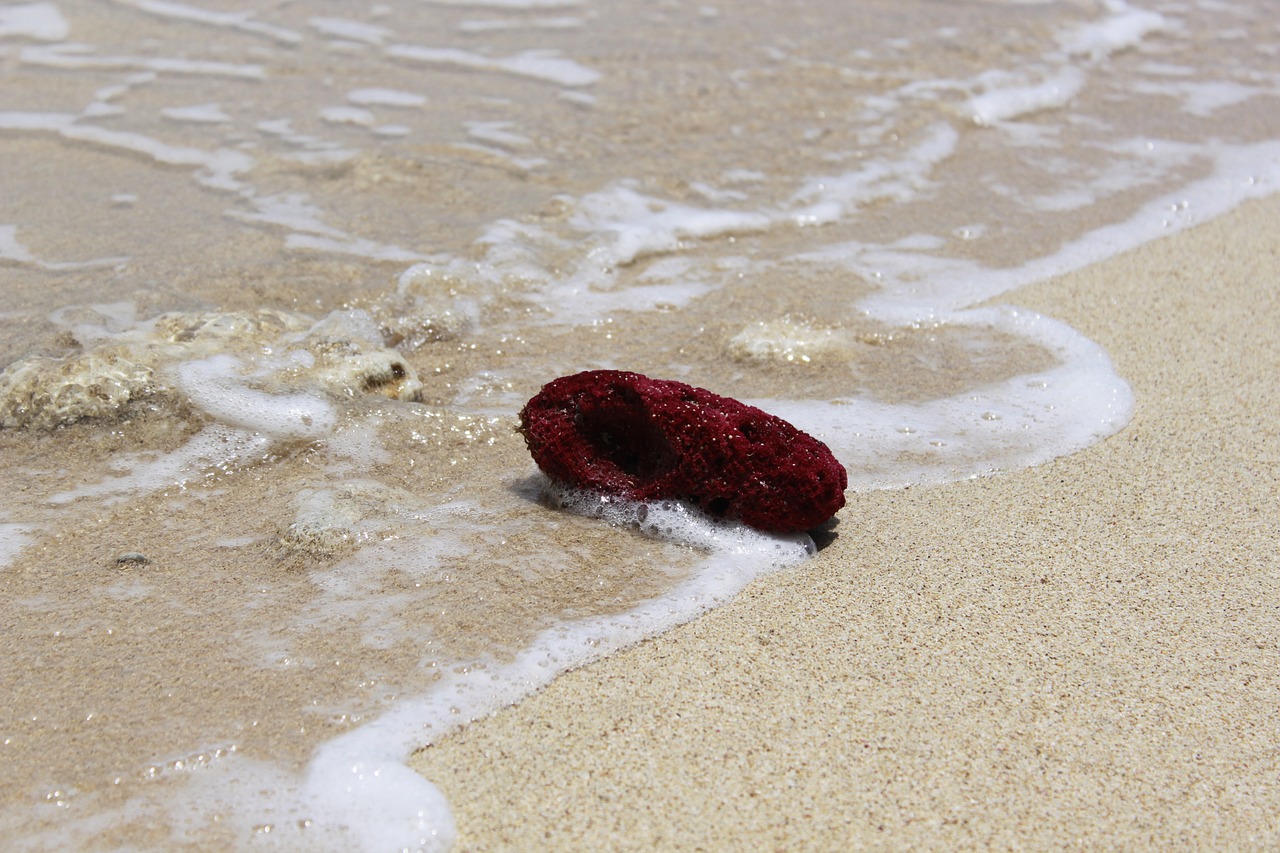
[{"x": 276, "y": 278}]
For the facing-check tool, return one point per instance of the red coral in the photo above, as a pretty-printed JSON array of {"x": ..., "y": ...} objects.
[{"x": 644, "y": 439}]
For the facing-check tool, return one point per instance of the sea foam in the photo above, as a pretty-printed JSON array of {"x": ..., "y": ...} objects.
[{"x": 39, "y": 21}]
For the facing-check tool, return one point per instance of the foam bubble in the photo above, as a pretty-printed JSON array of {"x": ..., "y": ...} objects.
[
  {"x": 11, "y": 249},
  {"x": 13, "y": 538},
  {"x": 214, "y": 384},
  {"x": 40, "y": 21},
  {"x": 377, "y": 800},
  {"x": 385, "y": 98},
  {"x": 198, "y": 113},
  {"x": 1122, "y": 29},
  {"x": 678, "y": 522},
  {"x": 1012, "y": 96}
]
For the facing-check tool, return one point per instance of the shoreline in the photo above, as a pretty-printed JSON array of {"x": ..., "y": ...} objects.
[{"x": 1077, "y": 653}]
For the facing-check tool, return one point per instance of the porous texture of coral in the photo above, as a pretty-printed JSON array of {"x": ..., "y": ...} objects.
[{"x": 643, "y": 439}]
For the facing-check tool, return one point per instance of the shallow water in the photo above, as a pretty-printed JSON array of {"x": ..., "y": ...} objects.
[{"x": 274, "y": 283}]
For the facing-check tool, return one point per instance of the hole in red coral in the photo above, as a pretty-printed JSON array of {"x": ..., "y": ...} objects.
[
  {"x": 718, "y": 506},
  {"x": 621, "y": 431}
]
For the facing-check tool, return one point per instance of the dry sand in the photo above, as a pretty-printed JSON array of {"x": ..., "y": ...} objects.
[{"x": 1079, "y": 654}]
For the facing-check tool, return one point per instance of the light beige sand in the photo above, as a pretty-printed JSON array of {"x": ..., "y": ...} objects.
[{"x": 1080, "y": 654}]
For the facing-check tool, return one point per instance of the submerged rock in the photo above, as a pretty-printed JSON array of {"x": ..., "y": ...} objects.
[
  {"x": 644, "y": 439},
  {"x": 280, "y": 351},
  {"x": 785, "y": 341},
  {"x": 41, "y": 392},
  {"x": 331, "y": 521}
]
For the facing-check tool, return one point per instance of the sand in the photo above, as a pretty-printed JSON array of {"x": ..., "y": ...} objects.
[{"x": 1078, "y": 654}]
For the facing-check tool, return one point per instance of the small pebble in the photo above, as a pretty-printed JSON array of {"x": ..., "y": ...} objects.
[{"x": 132, "y": 558}]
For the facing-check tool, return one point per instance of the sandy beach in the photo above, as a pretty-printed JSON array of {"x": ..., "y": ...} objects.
[
  {"x": 1080, "y": 654},
  {"x": 275, "y": 285}
]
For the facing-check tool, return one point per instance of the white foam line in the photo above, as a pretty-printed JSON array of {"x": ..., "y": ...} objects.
[
  {"x": 294, "y": 212},
  {"x": 213, "y": 446},
  {"x": 250, "y": 422},
  {"x": 214, "y": 385},
  {"x": 12, "y": 250},
  {"x": 1006, "y": 101},
  {"x": 1028, "y": 419},
  {"x": 79, "y": 57},
  {"x": 920, "y": 285},
  {"x": 632, "y": 226},
  {"x": 13, "y": 538},
  {"x": 535, "y": 64},
  {"x": 242, "y": 21},
  {"x": 1024, "y": 421},
  {"x": 360, "y": 773},
  {"x": 289, "y": 210},
  {"x": 219, "y": 166},
  {"x": 323, "y": 149},
  {"x": 1123, "y": 29},
  {"x": 826, "y": 199},
  {"x": 1202, "y": 99},
  {"x": 1004, "y": 96},
  {"x": 580, "y": 304}
]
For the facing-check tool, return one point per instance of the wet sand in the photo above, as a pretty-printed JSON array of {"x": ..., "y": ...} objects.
[{"x": 1078, "y": 654}]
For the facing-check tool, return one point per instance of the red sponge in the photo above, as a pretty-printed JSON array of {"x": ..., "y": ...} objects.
[{"x": 644, "y": 439}]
